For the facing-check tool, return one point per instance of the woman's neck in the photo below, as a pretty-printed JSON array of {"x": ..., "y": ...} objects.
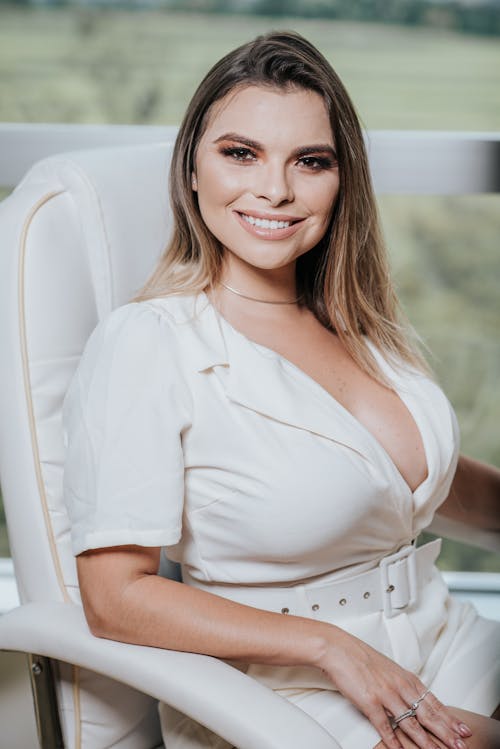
[{"x": 274, "y": 286}]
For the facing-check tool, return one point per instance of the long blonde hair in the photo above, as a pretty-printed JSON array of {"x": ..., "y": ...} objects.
[{"x": 345, "y": 279}]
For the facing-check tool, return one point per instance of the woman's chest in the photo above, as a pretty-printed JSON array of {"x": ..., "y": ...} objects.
[
  {"x": 319, "y": 355},
  {"x": 279, "y": 489}
]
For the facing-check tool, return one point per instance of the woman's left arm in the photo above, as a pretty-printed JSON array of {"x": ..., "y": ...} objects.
[{"x": 474, "y": 496}]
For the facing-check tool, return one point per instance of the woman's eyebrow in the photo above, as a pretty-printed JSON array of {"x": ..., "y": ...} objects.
[
  {"x": 317, "y": 148},
  {"x": 241, "y": 139}
]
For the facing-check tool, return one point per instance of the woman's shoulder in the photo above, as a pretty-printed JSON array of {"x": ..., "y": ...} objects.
[
  {"x": 393, "y": 366},
  {"x": 139, "y": 333},
  {"x": 177, "y": 308},
  {"x": 140, "y": 318},
  {"x": 137, "y": 344}
]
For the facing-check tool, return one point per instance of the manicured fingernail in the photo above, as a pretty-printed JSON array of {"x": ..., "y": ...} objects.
[
  {"x": 460, "y": 744},
  {"x": 464, "y": 730}
]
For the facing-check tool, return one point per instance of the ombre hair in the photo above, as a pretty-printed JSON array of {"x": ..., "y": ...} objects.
[{"x": 345, "y": 278}]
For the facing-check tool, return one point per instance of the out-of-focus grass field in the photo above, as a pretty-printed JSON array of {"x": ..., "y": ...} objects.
[
  {"x": 79, "y": 65},
  {"x": 76, "y": 65}
]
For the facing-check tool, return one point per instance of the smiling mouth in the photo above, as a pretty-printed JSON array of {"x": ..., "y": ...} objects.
[{"x": 270, "y": 224}]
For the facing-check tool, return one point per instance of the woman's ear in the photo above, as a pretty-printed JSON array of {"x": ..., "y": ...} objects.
[{"x": 194, "y": 182}]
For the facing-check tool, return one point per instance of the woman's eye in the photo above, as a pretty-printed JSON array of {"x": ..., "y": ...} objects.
[
  {"x": 317, "y": 163},
  {"x": 239, "y": 153}
]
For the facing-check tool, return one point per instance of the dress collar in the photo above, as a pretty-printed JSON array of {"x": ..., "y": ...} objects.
[
  {"x": 262, "y": 380},
  {"x": 259, "y": 379}
]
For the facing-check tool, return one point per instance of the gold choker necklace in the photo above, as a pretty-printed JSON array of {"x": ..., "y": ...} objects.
[{"x": 254, "y": 299}]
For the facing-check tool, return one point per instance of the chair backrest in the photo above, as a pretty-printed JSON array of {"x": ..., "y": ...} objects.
[{"x": 80, "y": 235}]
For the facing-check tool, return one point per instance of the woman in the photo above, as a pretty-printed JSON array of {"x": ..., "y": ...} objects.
[{"x": 261, "y": 411}]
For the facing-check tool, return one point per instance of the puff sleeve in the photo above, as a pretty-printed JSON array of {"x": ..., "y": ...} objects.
[{"x": 123, "y": 419}]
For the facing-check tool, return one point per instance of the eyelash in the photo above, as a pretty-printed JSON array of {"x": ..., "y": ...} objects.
[
  {"x": 312, "y": 163},
  {"x": 321, "y": 162},
  {"x": 238, "y": 153}
]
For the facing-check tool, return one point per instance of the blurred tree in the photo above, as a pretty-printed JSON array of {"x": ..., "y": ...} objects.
[
  {"x": 280, "y": 7},
  {"x": 479, "y": 19}
]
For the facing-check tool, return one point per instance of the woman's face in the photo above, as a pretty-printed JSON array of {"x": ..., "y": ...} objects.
[{"x": 267, "y": 175}]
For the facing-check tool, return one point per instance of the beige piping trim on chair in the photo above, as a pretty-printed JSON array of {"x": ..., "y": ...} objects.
[
  {"x": 27, "y": 391},
  {"x": 34, "y": 440},
  {"x": 76, "y": 702}
]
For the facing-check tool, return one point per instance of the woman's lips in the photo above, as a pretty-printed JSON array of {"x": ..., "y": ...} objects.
[{"x": 269, "y": 228}]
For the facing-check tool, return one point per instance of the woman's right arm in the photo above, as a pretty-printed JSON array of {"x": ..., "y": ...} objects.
[{"x": 125, "y": 599}]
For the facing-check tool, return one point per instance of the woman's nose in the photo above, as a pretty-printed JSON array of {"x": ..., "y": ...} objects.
[{"x": 272, "y": 182}]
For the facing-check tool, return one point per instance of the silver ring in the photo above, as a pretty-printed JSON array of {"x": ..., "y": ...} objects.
[
  {"x": 417, "y": 702},
  {"x": 408, "y": 714}
]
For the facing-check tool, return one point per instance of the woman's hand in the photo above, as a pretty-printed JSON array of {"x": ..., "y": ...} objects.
[{"x": 382, "y": 691}]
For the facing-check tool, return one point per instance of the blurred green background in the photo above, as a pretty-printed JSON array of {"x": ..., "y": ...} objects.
[{"x": 103, "y": 65}]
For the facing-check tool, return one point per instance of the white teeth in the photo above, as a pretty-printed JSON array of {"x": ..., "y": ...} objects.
[{"x": 264, "y": 223}]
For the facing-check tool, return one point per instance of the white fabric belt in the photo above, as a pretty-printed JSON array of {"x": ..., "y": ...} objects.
[{"x": 391, "y": 587}]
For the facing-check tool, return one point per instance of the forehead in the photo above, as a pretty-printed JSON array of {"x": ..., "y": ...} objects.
[{"x": 268, "y": 114}]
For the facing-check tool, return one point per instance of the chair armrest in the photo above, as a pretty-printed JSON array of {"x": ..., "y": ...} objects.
[
  {"x": 467, "y": 534},
  {"x": 235, "y": 706}
]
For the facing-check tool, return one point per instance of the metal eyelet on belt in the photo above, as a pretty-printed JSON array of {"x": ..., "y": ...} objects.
[
  {"x": 366, "y": 595},
  {"x": 285, "y": 610},
  {"x": 343, "y": 601},
  {"x": 315, "y": 606},
  {"x": 390, "y": 589}
]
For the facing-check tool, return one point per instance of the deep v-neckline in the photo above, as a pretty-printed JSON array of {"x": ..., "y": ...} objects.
[
  {"x": 330, "y": 399},
  {"x": 335, "y": 403}
]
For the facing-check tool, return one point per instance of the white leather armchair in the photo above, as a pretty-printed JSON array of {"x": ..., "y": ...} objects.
[{"x": 78, "y": 237}]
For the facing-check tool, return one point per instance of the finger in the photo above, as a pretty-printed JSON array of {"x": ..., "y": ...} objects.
[
  {"x": 422, "y": 738},
  {"x": 381, "y": 722},
  {"x": 410, "y": 725},
  {"x": 432, "y": 714},
  {"x": 431, "y": 704}
]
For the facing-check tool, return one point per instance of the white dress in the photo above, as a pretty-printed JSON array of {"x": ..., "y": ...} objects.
[{"x": 183, "y": 433}]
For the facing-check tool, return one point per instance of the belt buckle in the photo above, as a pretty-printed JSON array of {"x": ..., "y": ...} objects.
[{"x": 405, "y": 553}]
